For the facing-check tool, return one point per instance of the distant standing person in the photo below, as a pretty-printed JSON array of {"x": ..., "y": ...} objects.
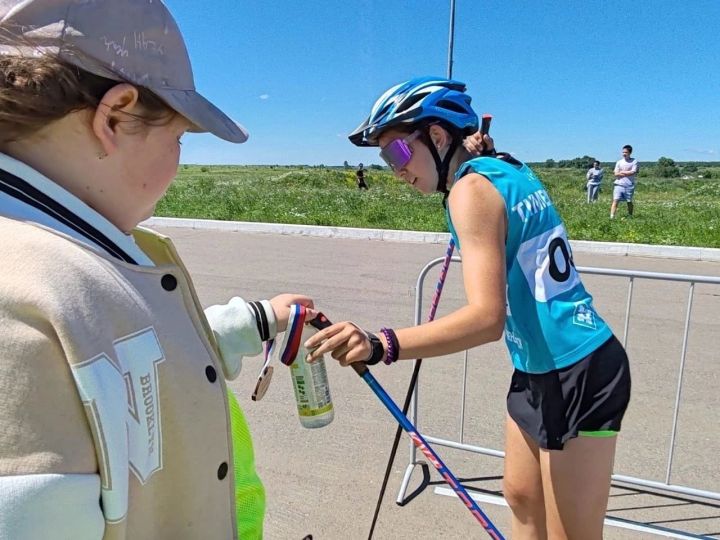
[
  {"x": 361, "y": 177},
  {"x": 594, "y": 179},
  {"x": 625, "y": 173}
]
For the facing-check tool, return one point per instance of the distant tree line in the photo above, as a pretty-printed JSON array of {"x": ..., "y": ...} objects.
[
  {"x": 375, "y": 167},
  {"x": 584, "y": 162},
  {"x": 665, "y": 167}
]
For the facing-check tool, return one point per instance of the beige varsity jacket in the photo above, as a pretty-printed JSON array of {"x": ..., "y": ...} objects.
[{"x": 109, "y": 375}]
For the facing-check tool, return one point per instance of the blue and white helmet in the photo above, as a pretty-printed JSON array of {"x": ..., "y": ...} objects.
[{"x": 424, "y": 99}]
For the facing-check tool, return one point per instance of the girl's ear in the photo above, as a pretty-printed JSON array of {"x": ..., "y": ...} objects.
[
  {"x": 120, "y": 99},
  {"x": 439, "y": 137}
]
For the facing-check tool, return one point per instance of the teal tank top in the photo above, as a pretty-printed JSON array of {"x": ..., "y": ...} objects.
[{"x": 551, "y": 322}]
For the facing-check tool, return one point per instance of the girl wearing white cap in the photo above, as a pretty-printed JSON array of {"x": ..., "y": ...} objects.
[{"x": 116, "y": 421}]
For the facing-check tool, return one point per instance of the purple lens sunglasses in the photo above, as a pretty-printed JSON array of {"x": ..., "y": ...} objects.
[{"x": 397, "y": 153}]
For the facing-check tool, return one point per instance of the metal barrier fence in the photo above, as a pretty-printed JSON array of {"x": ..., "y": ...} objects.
[{"x": 658, "y": 486}]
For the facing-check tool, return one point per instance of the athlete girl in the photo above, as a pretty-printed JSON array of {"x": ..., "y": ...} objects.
[{"x": 571, "y": 383}]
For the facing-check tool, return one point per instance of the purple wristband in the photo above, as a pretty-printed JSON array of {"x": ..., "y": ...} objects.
[{"x": 393, "y": 350}]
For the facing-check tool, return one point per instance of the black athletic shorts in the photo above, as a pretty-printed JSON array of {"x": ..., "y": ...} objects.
[{"x": 588, "y": 396}]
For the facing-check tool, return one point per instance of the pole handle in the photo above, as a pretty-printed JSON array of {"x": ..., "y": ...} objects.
[
  {"x": 359, "y": 367},
  {"x": 484, "y": 130},
  {"x": 485, "y": 124}
]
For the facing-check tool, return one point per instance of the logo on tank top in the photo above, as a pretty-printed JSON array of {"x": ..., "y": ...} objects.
[
  {"x": 584, "y": 316},
  {"x": 512, "y": 337},
  {"x": 532, "y": 204}
]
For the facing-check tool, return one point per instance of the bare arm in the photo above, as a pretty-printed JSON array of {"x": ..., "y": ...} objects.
[
  {"x": 632, "y": 172},
  {"x": 478, "y": 213}
]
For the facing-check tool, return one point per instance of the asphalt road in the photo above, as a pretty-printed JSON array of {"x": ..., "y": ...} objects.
[{"x": 326, "y": 481}]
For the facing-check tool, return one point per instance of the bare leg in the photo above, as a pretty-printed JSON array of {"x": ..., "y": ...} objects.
[
  {"x": 522, "y": 485},
  {"x": 576, "y": 484},
  {"x": 613, "y": 209}
]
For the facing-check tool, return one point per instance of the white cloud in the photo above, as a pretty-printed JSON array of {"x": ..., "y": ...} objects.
[
  {"x": 264, "y": 96},
  {"x": 707, "y": 152}
]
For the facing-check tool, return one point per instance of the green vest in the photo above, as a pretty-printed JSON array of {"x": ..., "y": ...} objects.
[{"x": 249, "y": 491}]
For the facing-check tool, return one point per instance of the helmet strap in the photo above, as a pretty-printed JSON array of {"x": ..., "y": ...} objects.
[{"x": 442, "y": 166}]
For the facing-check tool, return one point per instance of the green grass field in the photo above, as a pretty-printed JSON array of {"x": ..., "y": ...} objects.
[{"x": 667, "y": 211}]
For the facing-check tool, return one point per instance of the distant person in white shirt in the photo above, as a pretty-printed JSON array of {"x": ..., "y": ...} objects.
[
  {"x": 625, "y": 173},
  {"x": 594, "y": 179}
]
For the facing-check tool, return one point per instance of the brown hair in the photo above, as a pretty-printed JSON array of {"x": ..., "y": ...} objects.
[{"x": 37, "y": 91}]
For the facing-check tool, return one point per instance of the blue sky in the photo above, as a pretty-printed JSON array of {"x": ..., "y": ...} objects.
[{"x": 561, "y": 78}]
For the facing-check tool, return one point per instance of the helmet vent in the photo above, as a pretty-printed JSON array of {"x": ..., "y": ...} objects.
[
  {"x": 409, "y": 102},
  {"x": 382, "y": 112},
  {"x": 451, "y": 106}
]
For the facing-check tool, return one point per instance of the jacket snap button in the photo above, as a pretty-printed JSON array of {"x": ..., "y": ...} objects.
[
  {"x": 211, "y": 374},
  {"x": 169, "y": 282},
  {"x": 222, "y": 470}
]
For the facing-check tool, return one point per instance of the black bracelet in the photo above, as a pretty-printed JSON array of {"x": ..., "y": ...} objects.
[
  {"x": 393, "y": 351},
  {"x": 377, "y": 350}
]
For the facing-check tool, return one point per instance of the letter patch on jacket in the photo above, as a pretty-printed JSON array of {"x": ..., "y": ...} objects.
[{"x": 121, "y": 399}]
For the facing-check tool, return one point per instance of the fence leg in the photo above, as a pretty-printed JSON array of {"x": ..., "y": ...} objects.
[
  {"x": 405, "y": 482},
  {"x": 627, "y": 313},
  {"x": 462, "y": 398},
  {"x": 680, "y": 383},
  {"x": 413, "y": 449}
]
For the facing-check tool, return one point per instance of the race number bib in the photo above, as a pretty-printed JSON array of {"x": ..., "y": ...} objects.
[{"x": 547, "y": 264}]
